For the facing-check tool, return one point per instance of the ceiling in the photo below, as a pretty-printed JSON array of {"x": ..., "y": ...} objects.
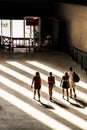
[
  {"x": 83, "y": 2},
  {"x": 69, "y": 1},
  {"x": 20, "y": 8}
]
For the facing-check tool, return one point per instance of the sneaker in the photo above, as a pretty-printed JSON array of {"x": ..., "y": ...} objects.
[
  {"x": 67, "y": 99},
  {"x": 38, "y": 100},
  {"x": 70, "y": 96},
  {"x": 33, "y": 97},
  {"x": 75, "y": 96},
  {"x": 50, "y": 98}
]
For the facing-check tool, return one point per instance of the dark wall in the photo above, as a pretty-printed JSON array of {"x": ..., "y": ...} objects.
[
  {"x": 62, "y": 35},
  {"x": 76, "y": 19}
]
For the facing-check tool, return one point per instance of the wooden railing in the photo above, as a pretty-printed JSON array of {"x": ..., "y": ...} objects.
[
  {"x": 79, "y": 56},
  {"x": 11, "y": 43}
]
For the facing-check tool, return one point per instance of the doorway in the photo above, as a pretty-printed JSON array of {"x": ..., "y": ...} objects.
[{"x": 20, "y": 35}]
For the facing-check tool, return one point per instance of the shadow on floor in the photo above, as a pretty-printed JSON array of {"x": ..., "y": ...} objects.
[{"x": 59, "y": 104}]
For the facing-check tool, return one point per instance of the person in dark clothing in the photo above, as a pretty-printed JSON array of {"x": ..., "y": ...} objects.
[
  {"x": 65, "y": 84},
  {"x": 37, "y": 84}
]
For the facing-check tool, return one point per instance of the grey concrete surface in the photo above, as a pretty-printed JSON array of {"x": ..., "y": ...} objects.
[{"x": 18, "y": 109}]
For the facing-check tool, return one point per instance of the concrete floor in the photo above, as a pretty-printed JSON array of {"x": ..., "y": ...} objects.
[{"x": 18, "y": 109}]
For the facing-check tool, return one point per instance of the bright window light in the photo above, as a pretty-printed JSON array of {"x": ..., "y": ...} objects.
[
  {"x": 44, "y": 88},
  {"x": 15, "y": 74},
  {"x": 70, "y": 117},
  {"x": 82, "y": 84},
  {"x": 17, "y": 28},
  {"x": 5, "y": 28},
  {"x": 59, "y": 111},
  {"x": 32, "y": 71},
  {"x": 48, "y": 121},
  {"x": 46, "y": 68},
  {"x": 29, "y": 94},
  {"x": 55, "y": 72},
  {"x": 29, "y": 70},
  {"x": 15, "y": 86}
]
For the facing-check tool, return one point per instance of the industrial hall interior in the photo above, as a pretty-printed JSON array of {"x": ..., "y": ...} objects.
[{"x": 42, "y": 44}]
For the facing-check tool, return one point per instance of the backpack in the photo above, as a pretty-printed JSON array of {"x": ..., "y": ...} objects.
[{"x": 76, "y": 78}]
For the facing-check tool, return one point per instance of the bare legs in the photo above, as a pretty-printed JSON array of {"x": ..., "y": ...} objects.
[
  {"x": 50, "y": 92},
  {"x": 67, "y": 93},
  {"x": 38, "y": 92},
  {"x": 72, "y": 87}
]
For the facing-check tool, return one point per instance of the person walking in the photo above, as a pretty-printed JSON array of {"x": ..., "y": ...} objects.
[
  {"x": 64, "y": 83},
  {"x": 71, "y": 82},
  {"x": 51, "y": 82},
  {"x": 37, "y": 85}
]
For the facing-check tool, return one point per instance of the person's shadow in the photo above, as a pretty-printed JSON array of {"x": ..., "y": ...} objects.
[
  {"x": 49, "y": 106},
  {"x": 79, "y": 103},
  {"x": 83, "y": 103},
  {"x": 59, "y": 104}
]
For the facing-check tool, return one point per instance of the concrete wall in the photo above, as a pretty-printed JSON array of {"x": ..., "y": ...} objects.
[{"x": 76, "y": 19}]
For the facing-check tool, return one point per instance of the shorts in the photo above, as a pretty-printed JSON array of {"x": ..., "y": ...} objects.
[
  {"x": 37, "y": 87},
  {"x": 50, "y": 85}
]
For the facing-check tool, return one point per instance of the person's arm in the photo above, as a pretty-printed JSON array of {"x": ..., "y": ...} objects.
[
  {"x": 40, "y": 81},
  {"x": 61, "y": 82},
  {"x": 48, "y": 80},
  {"x": 32, "y": 83},
  {"x": 54, "y": 80}
]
